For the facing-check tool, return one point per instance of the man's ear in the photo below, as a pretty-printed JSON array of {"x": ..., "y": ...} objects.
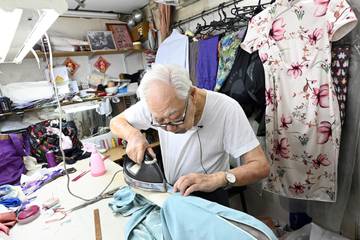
[{"x": 192, "y": 91}]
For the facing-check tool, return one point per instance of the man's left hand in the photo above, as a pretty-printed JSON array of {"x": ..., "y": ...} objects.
[{"x": 199, "y": 182}]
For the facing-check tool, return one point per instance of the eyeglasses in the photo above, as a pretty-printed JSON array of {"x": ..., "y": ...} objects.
[{"x": 172, "y": 123}]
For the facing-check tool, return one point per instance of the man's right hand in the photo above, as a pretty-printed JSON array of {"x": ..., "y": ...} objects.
[{"x": 136, "y": 146}]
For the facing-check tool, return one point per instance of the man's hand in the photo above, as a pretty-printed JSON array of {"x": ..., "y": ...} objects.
[
  {"x": 199, "y": 182},
  {"x": 136, "y": 146}
]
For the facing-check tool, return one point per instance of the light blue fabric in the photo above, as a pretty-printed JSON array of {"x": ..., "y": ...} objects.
[
  {"x": 174, "y": 50},
  {"x": 182, "y": 218},
  {"x": 195, "y": 218},
  {"x": 145, "y": 221}
]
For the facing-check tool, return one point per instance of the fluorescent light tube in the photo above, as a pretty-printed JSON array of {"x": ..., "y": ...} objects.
[
  {"x": 90, "y": 14},
  {"x": 46, "y": 19},
  {"x": 9, "y": 21},
  {"x": 23, "y": 23}
]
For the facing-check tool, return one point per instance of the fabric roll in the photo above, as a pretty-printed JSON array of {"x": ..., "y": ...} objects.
[
  {"x": 207, "y": 64},
  {"x": 7, "y": 220}
]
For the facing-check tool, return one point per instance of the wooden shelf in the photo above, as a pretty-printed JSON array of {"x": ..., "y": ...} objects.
[
  {"x": 118, "y": 152},
  {"x": 88, "y": 53}
]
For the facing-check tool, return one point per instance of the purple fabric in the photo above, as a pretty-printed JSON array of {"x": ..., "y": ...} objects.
[
  {"x": 207, "y": 64},
  {"x": 12, "y": 150}
]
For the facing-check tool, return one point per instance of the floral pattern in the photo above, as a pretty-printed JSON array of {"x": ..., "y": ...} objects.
[
  {"x": 340, "y": 74},
  {"x": 302, "y": 114},
  {"x": 228, "y": 46}
]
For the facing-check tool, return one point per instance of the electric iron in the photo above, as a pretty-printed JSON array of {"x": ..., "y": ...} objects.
[{"x": 147, "y": 176}]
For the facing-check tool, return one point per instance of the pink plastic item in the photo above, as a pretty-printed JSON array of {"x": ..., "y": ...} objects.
[
  {"x": 97, "y": 166},
  {"x": 28, "y": 215}
]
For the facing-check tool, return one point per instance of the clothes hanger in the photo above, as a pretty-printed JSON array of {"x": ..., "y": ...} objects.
[
  {"x": 200, "y": 28},
  {"x": 259, "y": 8},
  {"x": 180, "y": 28}
]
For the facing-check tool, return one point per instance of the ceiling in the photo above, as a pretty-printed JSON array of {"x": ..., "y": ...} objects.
[{"x": 119, "y": 6}]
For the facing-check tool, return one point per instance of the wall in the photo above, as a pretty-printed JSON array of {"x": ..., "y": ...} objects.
[
  {"x": 29, "y": 70},
  {"x": 73, "y": 28}
]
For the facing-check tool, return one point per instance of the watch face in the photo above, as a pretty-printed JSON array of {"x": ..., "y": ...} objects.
[{"x": 230, "y": 178}]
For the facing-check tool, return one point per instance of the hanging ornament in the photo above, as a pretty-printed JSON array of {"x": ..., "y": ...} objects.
[
  {"x": 101, "y": 64},
  {"x": 71, "y": 65}
]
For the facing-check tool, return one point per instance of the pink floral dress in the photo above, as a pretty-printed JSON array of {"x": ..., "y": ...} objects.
[{"x": 302, "y": 114}]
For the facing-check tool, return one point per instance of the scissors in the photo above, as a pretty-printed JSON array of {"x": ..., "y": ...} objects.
[
  {"x": 108, "y": 194},
  {"x": 60, "y": 213}
]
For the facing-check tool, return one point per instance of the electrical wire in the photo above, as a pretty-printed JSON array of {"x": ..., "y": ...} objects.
[
  {"x": 201, "y": 162},
  {"x": 52, "y": 77}
]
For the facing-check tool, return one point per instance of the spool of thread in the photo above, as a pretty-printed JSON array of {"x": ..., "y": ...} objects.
[
  {"x": 106, "y": 144},
  {"x": 50, "y": 158},
  {"x": 119, "y": 141},
  {"x": 102, "y": 143},
  {"x": 113, "y": 143},
  {"x": 50, "y": 202}
]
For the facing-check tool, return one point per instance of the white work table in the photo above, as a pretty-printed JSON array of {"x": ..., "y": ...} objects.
[{"x": 79, "y": 224}]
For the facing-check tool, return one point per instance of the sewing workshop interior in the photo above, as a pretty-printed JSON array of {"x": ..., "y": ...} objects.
[{"x": 179, "y": 119}]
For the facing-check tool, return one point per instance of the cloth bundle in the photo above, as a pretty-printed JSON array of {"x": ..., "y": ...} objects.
[
  {"x": 13, "y": 147},
  {"x": 44, "y": 138},
  {"x": 7, "y": 220}
]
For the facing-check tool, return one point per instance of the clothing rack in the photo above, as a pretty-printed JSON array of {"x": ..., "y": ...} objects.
[
  {"x": 205, "y": 12},
  {"x": 215, "y": 9}
]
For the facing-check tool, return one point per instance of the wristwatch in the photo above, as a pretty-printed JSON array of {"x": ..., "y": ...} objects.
[{"x": 230, "y": 179}]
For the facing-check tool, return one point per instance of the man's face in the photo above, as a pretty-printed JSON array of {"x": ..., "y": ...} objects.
[{"x": 170, "y": 112}]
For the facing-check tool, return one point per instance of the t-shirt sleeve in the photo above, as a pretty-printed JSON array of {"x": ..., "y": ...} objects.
[
  {"x": 138, "y": 116},
  {"x": 257, "y": 32},
  {"x": 341, "y": 19},
  {"x": 239, "y": 137}
]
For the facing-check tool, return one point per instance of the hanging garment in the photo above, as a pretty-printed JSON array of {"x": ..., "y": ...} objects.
[
  {"x": 246, "y": 82},
  {"x": 206, "y": 67},
  {"x": 193, "y": 58},
  {"x": 302, "y": 114},
  {"x": 174, "y": 50},
  {"x": 195, "y": 218},
  {"x": 340, "y": 63},
  {"x": 165, "y": 20},
  {"x": 228, "y": 46}
]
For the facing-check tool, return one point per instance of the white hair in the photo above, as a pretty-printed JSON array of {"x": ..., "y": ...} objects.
[{"x": 175, "y": 75}]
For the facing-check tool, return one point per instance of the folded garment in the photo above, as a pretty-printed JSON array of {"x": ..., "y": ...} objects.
[
  {"x": 7, "y": 220},
  {"x": 10, "y": 202},
  {"x": 5, "y": 190},
  {"x": 145, "y": 221},
  {"x": 24, "y": 92}
]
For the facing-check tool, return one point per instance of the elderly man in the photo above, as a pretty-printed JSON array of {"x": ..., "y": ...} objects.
[{"x": 198, "y": 129}]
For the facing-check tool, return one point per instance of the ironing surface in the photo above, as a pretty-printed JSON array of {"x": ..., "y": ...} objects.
[{"x": 79, "y": 224}]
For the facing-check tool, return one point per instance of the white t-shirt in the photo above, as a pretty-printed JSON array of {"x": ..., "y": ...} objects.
[{"x": 224, "y": 130}]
